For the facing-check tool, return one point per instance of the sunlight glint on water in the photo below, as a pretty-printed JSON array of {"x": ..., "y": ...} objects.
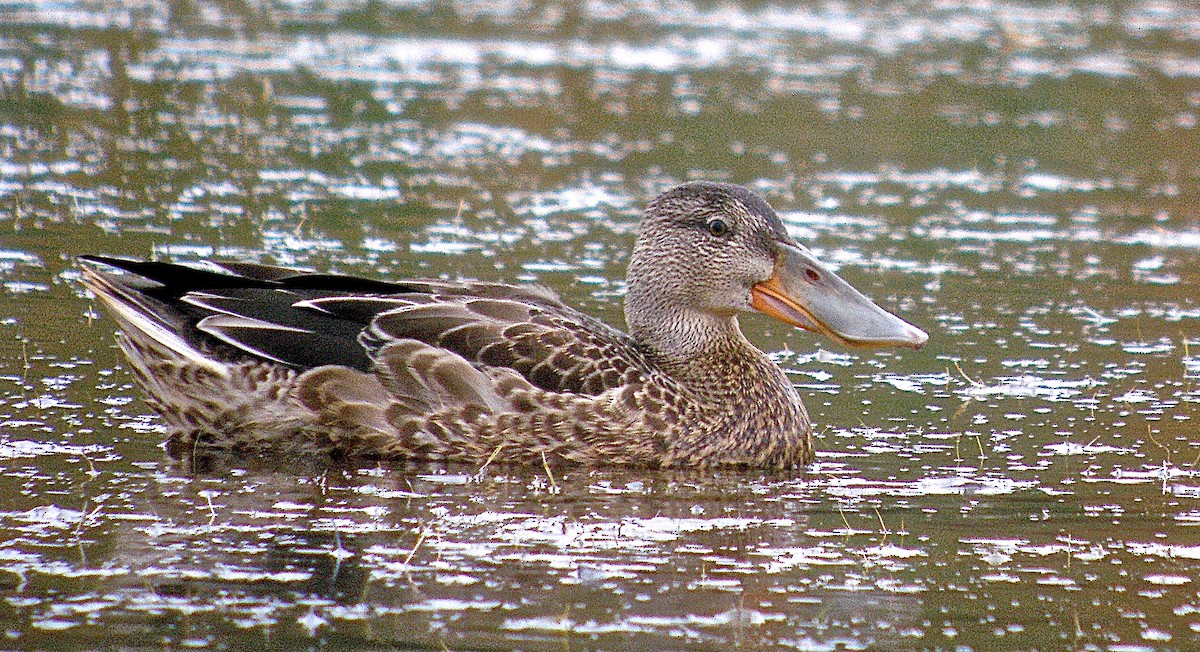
[{"x": 1018, "y": 179}]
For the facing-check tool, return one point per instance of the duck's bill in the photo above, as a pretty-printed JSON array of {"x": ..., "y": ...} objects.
[{"x": 804, "y": 293}]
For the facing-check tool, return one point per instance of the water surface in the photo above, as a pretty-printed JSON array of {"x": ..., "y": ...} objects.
[{"x": 1019, "y": 179}]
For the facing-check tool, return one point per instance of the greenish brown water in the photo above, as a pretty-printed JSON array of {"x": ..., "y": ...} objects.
[{"x": 1020, "y": 179}]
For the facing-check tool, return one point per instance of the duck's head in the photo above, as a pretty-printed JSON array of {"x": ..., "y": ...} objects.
[{"x": 707, "y": 251}]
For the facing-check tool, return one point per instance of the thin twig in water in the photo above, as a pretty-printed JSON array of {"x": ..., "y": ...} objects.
[
  {"x": 303, "y": 219},
  {"x": 91, "y": 467},
  {"x": 964, "y": 375},
  {"x": 417, "y": 546},
  {"x": 1150, "y": 434},
  {"x": 212, "y": 509},
  {"x": 882, "y": 526},
  {"x": 491, "y": 458},
  {"x": 958, "y": 413},
  {"x": 25, "y": 366},
  {"x": 546, "y": 465}
]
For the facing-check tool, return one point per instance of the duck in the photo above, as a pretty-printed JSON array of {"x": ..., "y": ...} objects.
[{"x": 253, "y": 358}]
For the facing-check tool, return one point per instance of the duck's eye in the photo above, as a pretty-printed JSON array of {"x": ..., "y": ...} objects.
[{"x": 718, "y": 227}]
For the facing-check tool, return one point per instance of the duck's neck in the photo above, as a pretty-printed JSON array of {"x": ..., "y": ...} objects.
[
  {"x": 680, "y": 339},
  {"x": 752, "y": 413},
  {"x": 692, "y": 347}
]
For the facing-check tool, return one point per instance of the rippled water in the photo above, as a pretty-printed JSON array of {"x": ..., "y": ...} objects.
[{"x": 1018, "y": 179}]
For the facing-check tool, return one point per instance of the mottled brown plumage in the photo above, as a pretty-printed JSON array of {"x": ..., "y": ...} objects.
[{"x": 251, "y": 357}]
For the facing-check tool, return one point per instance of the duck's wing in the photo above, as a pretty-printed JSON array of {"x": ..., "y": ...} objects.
[
  {"x": 305, "y": 320},
  {"x": 230, "y": 311},
  {"x": 554, "y": 347}
]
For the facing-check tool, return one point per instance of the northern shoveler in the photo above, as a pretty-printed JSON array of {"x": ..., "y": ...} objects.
[{"x": 252, "y": 357}]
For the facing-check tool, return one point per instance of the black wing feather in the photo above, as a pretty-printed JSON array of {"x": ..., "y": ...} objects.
[{"x": 305, "y": 320}]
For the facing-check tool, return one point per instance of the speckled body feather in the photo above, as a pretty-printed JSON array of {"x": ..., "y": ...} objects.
[{"x": 250, "y": 357}]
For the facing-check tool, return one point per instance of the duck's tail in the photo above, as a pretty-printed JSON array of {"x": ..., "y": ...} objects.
[
  {"x": 149, "y": 327},
  {"x": 200, "y": 395}
]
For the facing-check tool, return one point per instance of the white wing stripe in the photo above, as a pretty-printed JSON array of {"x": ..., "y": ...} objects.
[{"x": 218, "y": 325}]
